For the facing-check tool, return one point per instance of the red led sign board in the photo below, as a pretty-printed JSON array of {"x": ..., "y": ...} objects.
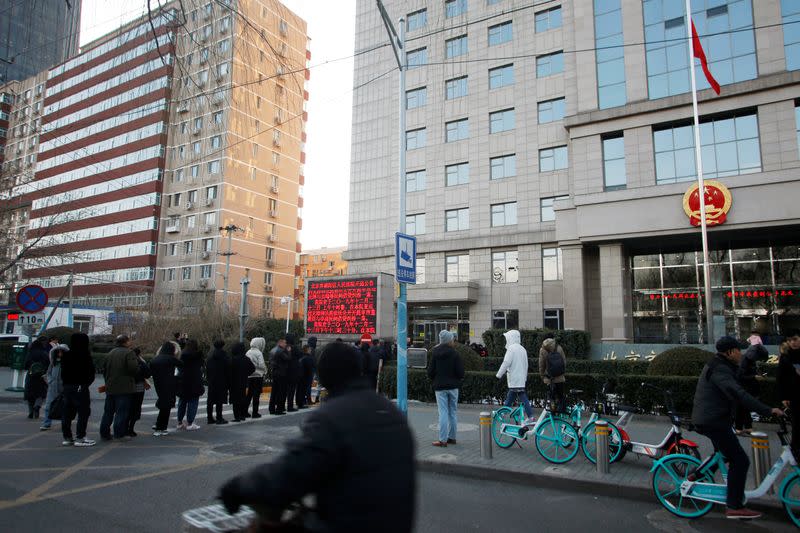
[{"x": 342, "y": 307}]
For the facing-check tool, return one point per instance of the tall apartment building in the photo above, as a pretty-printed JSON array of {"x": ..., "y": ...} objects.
[
  {"x": 35, "y": 35},
  {"x": 549, "y": 150},
  {"x": 317, "y": 263},
  {"x": 153, "y": 140}
]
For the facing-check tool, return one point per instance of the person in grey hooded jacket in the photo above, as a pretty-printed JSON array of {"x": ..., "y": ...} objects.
[
  {"x": 54, "y": 384},
  {"x": 256, "y": 380}
]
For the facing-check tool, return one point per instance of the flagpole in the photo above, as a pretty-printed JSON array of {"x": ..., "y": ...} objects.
[{"x": 698, "y": 156}]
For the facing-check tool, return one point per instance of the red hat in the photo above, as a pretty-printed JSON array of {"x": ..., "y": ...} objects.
[{"x": 366, "y": 337}]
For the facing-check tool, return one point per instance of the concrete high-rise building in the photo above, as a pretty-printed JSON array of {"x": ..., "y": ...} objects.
[
  {"x": 549, "y": 150},
  {"x": 321, "y": 262},
  {"x": 35, "y": 35}
]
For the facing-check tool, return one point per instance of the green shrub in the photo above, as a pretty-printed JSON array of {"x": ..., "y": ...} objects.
[
  {"x": 609, "y": 368},
  {"x": 472, "y": 361},
  {"x": 576, "y": 343},
  {"x": 679, "y": 361}
]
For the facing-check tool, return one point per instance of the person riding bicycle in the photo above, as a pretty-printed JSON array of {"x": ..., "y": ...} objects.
[
  {"x": 716, "y": 399},
  {"x": 355, "y": 452},
  {"x": 515, "y": 367}
]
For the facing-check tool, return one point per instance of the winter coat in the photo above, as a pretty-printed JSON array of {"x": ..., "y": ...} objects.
[
  {"x": 120, "y": 372},
  {"x": 788, "y": 377},
  {"x": 719, "y": 394},
  {"x": 241, "y": 368},
  {"x": 142, "y": 374},
  {"x": 376, "y": 355},
  {"x": 446, "y": 369},
  {"x": 36, "y": 364},
  {"x": 279, "y": 360},
  {"x": 218, "y": 375},
  {"x": 307, "y": 368},
  {"x": 256, "y": 355},
  {"x": 190, "y": 377},
  {"x": 355, "y": 439},
  {"x": 77, "y": 366},
  {"x": 515, "y": 362},
  {"x": 165, "y": 380},
  {"x": 547, "y": 347},
  {"x": 294, "y": 364},
  {"x": 54, "y": 384},
  {"x": 748, "y": 367}
]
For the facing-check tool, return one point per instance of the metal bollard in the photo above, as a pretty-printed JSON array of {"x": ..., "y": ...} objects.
[
  {"x": 601, "y": 445},
  {"x": 486, "y": 435},
  {"x": 761, "y": 457}
]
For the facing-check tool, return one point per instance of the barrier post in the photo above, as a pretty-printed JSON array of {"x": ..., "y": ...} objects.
[
  {"x": 486, "y": 434},
  {"x": 601, "y": 443},
  {"x": 761, "y": 457}
]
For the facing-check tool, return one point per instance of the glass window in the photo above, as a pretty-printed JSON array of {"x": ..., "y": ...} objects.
[
  {"x": 500, "y": 33},
  {"x": 172, "y": 249},
  {"x": 208, "y": 245},
  {"x": 457, "y": 46},
  {"x": 416, "y": 20},
  {"x": 415, "y": 181},
  {"x": 505, "y": 319},
  {"x": 453, "y": 8},
  {"x": 457, "y": 174},
  {"x": 456, "y": 219},
  {"x": 504, "y": 214},
  {"x": 549, "y": 64},
  {"x": 213, "y": 167},
  {"x": 194, "y": 170},
  {"x": 216, "y": 141},
  {"x": 790, "y": 10},
  {"x": 609, "y": 53},
  {"x": 614, "y": 162},
  {"x": 211, "y": 192},
  {"x": 730, "y": 146},
  {"x": 553, "y": 159},
  {"x": 546, "y": 206},
  {"x": 455, "y": 88},
  {"x": 551, "y": 264},
  {"x": 504, "y": 266},
  {"x": 415, "y": 224},
  {"x": 504, "y": 166},
  {"x": 416, "y": 139},
  {"x": 188, "y": 247},
  {"x": 548, "y": 20},
  {"x": 186, "y": 273},
  {"x": 217, "y": 117},
  {"x": 416, "y": 97},
  {"x": 551, "y": 110},
  {"x": 456, "y": 130},
  {"x": 501, "y": 121},
  {"x": 501, "y": 76},
  {"x": 420, "y": 269},
  {"x": 417, "y": 58},
  {"x": 554, "y": 319},
  {"x": 196, "y": 147},
  {"x": 457, "y": 268},
  {"x": 205, "y": 271}
]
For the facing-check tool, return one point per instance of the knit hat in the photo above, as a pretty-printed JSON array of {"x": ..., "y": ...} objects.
[
  {"x": 366, "y": 337},
  {"x": 727, "y": 343},
  {"x": 445, "y": 337}
]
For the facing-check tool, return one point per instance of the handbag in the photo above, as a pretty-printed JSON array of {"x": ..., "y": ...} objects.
[{"x": 56, "y": 411}]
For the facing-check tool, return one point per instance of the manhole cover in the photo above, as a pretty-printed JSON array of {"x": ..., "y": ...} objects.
[
  {"x": 557, "y": 470},
  {"x": 461, "y": 427},
  {"x": 240, "y": 449},
  {"x": 443, "y": 458}
]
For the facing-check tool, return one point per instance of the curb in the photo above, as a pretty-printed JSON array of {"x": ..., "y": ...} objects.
[{"x": 587, "y": 486}]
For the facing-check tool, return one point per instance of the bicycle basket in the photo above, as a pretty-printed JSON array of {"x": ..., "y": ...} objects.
[{"x": 215, "y": 518}]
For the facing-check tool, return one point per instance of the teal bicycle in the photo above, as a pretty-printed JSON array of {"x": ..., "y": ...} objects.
[{"x": 687, "y": 488}]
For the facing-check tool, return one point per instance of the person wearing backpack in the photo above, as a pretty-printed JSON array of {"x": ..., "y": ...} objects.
[
  {"x": 36, "y": 365},
  {"x": 515, "y": 368},
  {"x": 553, "y": 369}
]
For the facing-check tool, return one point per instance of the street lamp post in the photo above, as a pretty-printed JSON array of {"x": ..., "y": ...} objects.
[{"x": 287, "y": 301}]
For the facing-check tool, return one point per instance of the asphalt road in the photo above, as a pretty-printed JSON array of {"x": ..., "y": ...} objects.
[{"x": 146, "y": 483}]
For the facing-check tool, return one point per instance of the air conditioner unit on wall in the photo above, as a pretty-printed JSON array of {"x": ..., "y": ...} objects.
[
  {"x": 274, "y": 189},
  {"x": 267, "y": 287},
  {"x": 189, "y": 205},
  {"x": 203, "y": 283},
  {"x": 204, "y": 255}
]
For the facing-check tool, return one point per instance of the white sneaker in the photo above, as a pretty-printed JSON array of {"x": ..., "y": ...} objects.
[
  {"x": 159, "y": 433},
  {"x": 193, "y": 427},
  {"x": 181, "y": 426},
  {"x": 68, "y": 442},
  {"x": 84, "y": 442}
]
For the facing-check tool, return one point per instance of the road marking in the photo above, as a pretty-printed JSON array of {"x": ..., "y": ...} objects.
[{"x": 21, "y": 441}]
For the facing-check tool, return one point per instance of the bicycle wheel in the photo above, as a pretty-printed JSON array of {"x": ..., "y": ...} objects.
[
  {"x": 692, "y": 451},
  {"x": 557, "y": 440},
  {"x": 667, "y": 480},
  {"x": 504, "y": 415},
  {"x": 790, "y": 497},
  {"x": 589, "y": 443}
]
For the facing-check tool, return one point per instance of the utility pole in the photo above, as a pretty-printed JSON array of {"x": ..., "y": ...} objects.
[
  {"x": 243, "y": 307},
  {"x": 287, "y": 300},
  {"x": 230, "y": 228},
  {"x": 69, "y": 313}
]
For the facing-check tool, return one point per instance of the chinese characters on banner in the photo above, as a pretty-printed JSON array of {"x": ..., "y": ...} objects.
[
  {"x": 342, "y": 307},
  {"x": 728, "y": 294}
]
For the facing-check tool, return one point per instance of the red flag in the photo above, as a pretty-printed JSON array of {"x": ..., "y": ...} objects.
[{"x": 701, "y": 55}]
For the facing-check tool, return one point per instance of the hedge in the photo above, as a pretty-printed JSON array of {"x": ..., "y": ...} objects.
[
  {"x": 579, "y": 366},
  {"x": 679, "y": 361},
  {"x": 576, "y": 343}
]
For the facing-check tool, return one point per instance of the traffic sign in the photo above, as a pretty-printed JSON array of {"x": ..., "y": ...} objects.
[
  {"x": 32, "y": 298},
  {"x": 405, "y": 258},
  {"x": 31, "y": 319}
]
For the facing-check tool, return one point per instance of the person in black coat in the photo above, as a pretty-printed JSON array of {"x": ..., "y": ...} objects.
[
  {"x": 295, "y": 374},
  {"x": 77, "y": 374},
  {"x": 279, "y": 360},
  {"x": 218, "y": 376},
  {"x": 190, "y": 385},
  {"x": 241, "y": 368},
  {"x": 138, "y": 397},
  {"x": 747, "y": 379},
  {"x": 307, "y": 369},
  {"x": 355, "y": 439},
  {"x": 789, "y": 383},
  {"x": 446, "y": 372},
  {"x": 35, "y": 385},
  {"x": 165, "y": 381}
]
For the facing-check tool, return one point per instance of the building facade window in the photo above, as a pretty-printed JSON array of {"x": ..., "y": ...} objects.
[
  {"x": 417, "y": 58},
  {"x": 416, "y": 139},
  {"x": 501, "y": 167},
  {"x": 415, "y": 224},
  {"x": 457, "y": 46},
  {"x": 553, "y": 159},
  {"x": 546, "y": 207},
  {"x": 457, "y": 174},
  {"x": 502, "y": 76},
  {"x": 456, "y": 268},
  {"x": 551, "y": 264},
  {"x": 549, "y": 64},
  {"x": 551, "y": 110},
  {"x": 416, "y": 20},
  {"x": 614, "y": 162},
  {"x": 505, "y": 267},
  {"x": 729, "y": 44},
  {"x": 504, "y": 214},
  {"x": 730, "y": 146},
  {"x": 500, "y": 121},
  {"x": 186, "y": 273},
  {"x": 416, "y": 97},
  {"x": 553, "y": 319},
  {"x": 456, "y": 219},
  {"x": 609, "y": 53},
  {"x": 455, "y": 88},
  {"x": 205, "y": 272},
  {"x": 456, "y": 130},
  {"x": 453, "y": 8},
  {"x": 790, "y": 10},
  {"x": 505, "y": 319},
  {"x": 549, "y": 19},
  {"x": 415, "y": 181},
  {"x": 420, "y": 269},
  {"x": 500, "y": 33}
]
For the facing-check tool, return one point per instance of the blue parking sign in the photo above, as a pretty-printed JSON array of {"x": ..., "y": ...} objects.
[{"x": 405, "y": 258}]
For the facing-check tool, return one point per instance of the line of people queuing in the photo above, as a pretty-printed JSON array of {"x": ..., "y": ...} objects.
[{"x": 59, "y": 376}]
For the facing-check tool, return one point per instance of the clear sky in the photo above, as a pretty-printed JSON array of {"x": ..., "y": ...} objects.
[{"x": 331, "y": 26}]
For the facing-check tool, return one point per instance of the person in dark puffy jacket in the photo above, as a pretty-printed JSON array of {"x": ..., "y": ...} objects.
[
  {"x": 747, "y": 378},
  {"x": 77, "y": 375},
  {"x": 279, "y": 358},
  {"x": 164, "y": 369},
  {"x": 789, "y": 383},
  {"x": 446, "y": 371},
  {"x": 36, "y": 365},
  {"x": 190, "y": 387},
  {"x": 137, "y": 398},
  {"x": 355, "y": 440},
  {"x": 241, "y": 368},
  {"x": 218, "y": 375}
]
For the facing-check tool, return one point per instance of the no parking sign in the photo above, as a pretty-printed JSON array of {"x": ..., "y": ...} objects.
[{"x": 32, "y": 298}]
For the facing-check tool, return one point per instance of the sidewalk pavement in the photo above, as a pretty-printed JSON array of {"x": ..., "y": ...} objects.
[{"x": 629, "y": 478}]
